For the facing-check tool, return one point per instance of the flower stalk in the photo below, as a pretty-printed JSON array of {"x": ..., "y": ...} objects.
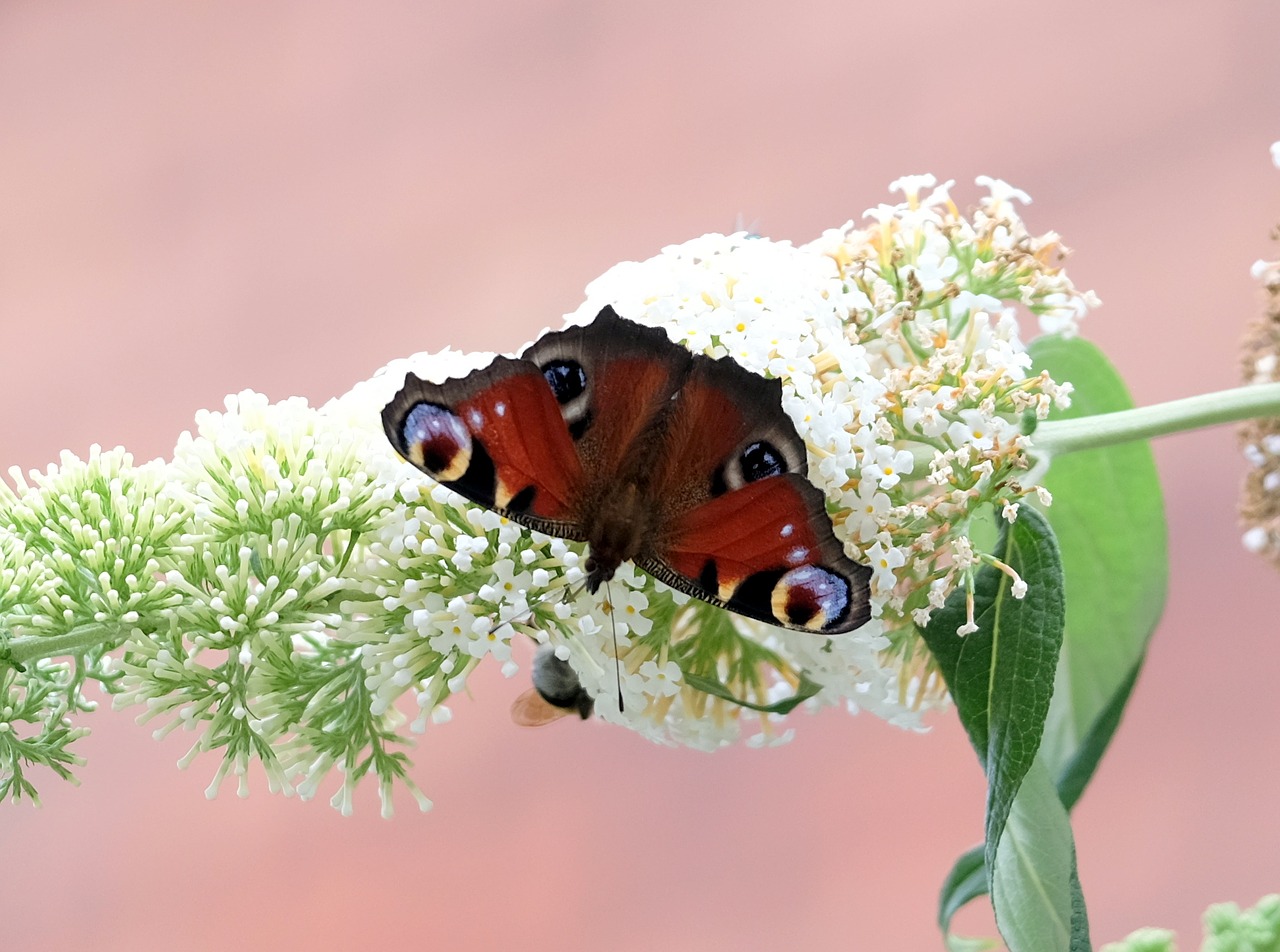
[
  {"x": 1058, "y": 437},
  {"x": 25, "y": 649}
]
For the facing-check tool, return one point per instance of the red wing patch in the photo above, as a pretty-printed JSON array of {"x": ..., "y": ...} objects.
[
  {"x": 518, "y": 424},
  {"x": 767, "y": 551},
  {"x": 495, "y": 436}
]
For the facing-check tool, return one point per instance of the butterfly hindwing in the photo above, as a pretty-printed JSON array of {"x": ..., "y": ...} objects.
[
  {"x": 766, "y": 550},
  {"x": 726, "y": 429},
  {"x": 497, "y": 437}
]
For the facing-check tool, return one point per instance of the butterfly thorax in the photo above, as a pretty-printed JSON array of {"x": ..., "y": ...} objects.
[{"x": 619, "y": 529}]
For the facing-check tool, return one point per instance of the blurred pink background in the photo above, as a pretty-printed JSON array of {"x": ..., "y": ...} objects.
[{"x": 198, "y": 198}]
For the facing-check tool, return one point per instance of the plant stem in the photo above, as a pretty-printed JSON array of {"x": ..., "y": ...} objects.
[
  {"x": 28, "y": 648},
  {"x": 1055, "y": 437}
]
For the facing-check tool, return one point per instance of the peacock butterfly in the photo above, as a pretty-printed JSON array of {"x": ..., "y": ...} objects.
[{"x": 613, "y": 435}]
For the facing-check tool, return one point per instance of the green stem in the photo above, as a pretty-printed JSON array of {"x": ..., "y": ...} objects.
[
  {"x": 27, "y": 648},
  {"x": 1055, "y": 437}
]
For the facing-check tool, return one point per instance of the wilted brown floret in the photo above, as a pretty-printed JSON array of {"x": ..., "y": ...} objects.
[{"x": 1260, "y": 363}]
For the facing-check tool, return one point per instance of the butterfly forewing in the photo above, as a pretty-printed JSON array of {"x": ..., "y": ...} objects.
[
  {"x": 726, "y": 428},
  {"x": 621, "y": 376},
  {"x": 497, "y": 437}
]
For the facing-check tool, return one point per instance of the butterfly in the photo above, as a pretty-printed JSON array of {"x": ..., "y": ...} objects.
[{"x": 611, "y": 434}]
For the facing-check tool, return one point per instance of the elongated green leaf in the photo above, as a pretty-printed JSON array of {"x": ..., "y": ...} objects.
[
  {"x": 1108, "y": 516},
  {"x": 966, "y": 881},
  {"x": 1001, "y": 679},
  {"x": 1075, "y": 773},
  {"x": 968, "y": 877},
  {"x": 1034, "y": 886},
  {"x": 1001, "y": 676},
  {"x": 804, "y": 690}
]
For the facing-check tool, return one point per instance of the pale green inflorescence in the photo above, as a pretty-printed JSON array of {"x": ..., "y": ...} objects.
[
  {"x": 1144, "y": 940},
  {"x": 1227, "y": 928},
  {"x": 903, "y": 367},
  {"x": 286, "y": 582},
  {"x": 83, "y": 546}
]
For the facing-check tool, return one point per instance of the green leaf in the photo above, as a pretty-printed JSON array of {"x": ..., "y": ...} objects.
[
  {"x": 960, "y": 943},
  {"x": 804, "y": 690},
  {"x": 1076, "y": 772},
  {"x": 966, "y": 882},
  {"x": 1034, "y": 887},
  {"x": 1001, "y": 678},
  {"x": 1108, "y": 516}
]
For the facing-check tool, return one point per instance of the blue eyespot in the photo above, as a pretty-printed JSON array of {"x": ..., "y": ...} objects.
[
  {"x": 566, "y": 378},
  {"x": 812, "y": 597},
  {"x": 437, "y": 441},
  {"x": 761, "y": 460}
]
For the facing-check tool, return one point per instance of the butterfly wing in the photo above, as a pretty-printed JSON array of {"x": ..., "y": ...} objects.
[
  {"x": 725, "y": 428},
  {"x": 612, "y": 379},
  {"x": 546, "y": 438},
  {"x": 741, "y": 525},
  {"x": 496, "y": 436},
  {"x": 543, "y": 438},
  {"x": 702, "y": 446},
  {"x": 767, "y": 551}
]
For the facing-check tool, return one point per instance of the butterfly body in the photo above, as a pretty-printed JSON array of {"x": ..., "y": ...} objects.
[
  {"x": 612, "y": 435},
  {"x": 620, "y": 525}
]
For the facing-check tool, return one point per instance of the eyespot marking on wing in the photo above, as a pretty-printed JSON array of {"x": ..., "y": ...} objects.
[
  {"x": 571, "y": 387},
  {"x": 566, "y": 378},
  {"x": 761, "y": 460},
  {"x": 436, "y": 440},
  {"x": 752, "y": 594},
  {"x": 758, "y": 460},
  {"x": 812, "y": 597}
]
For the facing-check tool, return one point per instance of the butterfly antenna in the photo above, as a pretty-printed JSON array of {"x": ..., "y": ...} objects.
[
  {"x": 528, "y": 612},
  {"x": 617, "y": 660},
  {"x": 519, "y": 616},
  {"x": 567, "y": 594}
]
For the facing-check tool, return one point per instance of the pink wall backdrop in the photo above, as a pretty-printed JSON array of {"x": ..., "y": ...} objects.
[{"x": 198, "y": 198}]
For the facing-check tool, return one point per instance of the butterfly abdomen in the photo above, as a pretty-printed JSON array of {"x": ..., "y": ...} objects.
[{"x": 620, "y": 530}]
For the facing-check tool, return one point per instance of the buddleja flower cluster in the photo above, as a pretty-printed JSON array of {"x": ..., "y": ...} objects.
[
  {"x": 899, "y": 349},
  {"x": 1260, "y": 498},
  {"x": 292, "y": 593}
]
